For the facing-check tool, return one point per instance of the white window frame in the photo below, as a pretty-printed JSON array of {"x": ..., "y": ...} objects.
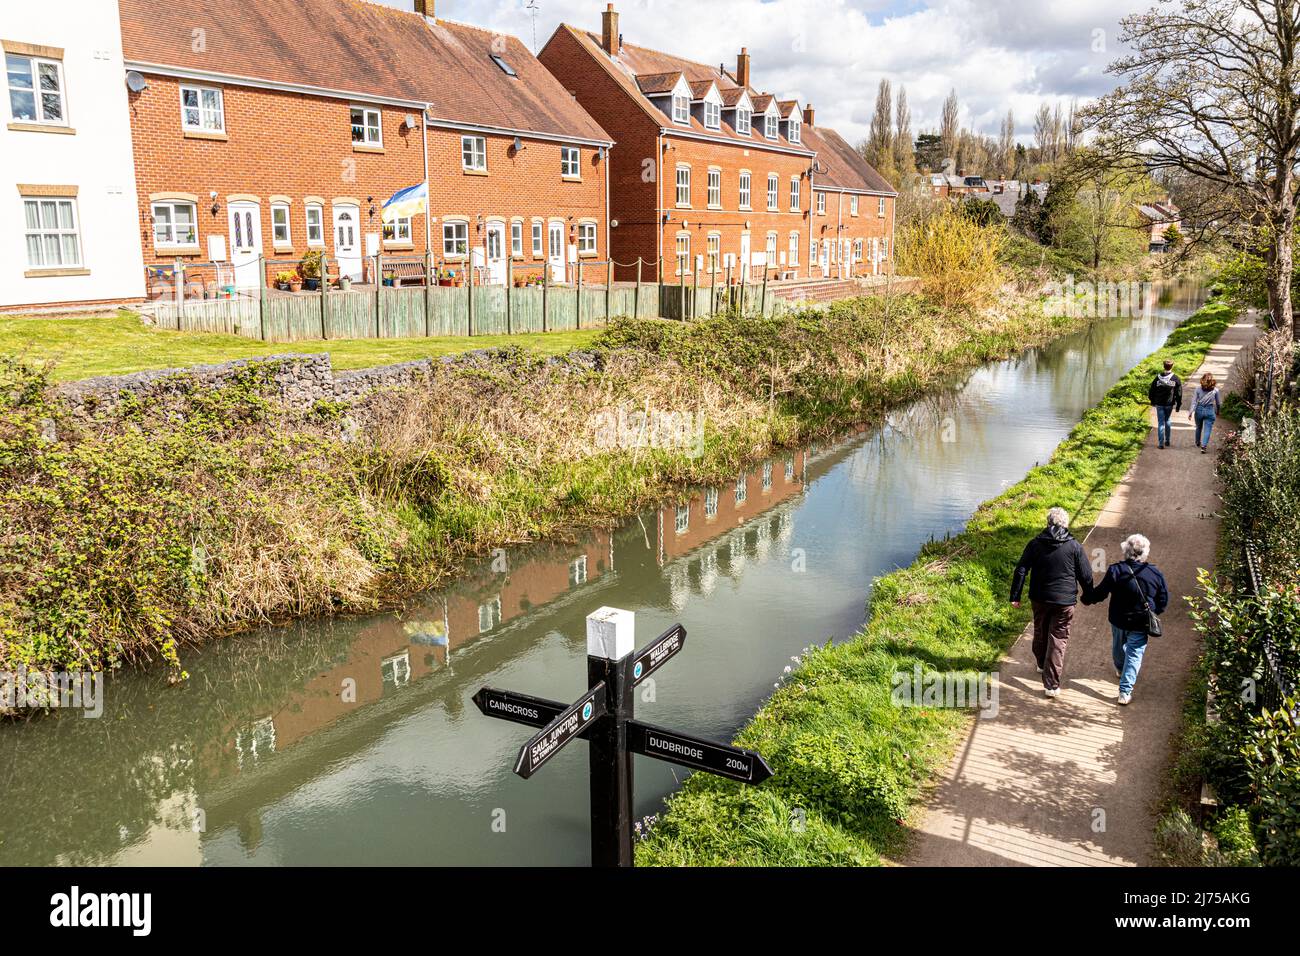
[
  {"x": 281, "y": 207},
  {"x": 711, "y": 503},
  {"x": 318, "y": 240},
  {"x": 578, "y": 571},
  {"x": 474, "y": 158},
  {"x": 712, "y": 115},
  {"x": 853, "y": 205},
  {"x": 770, "y": 247},
  {"x": 516, "y": 240},
  {"x": 773, "y": 192},
  {"x": 857, "y": 250},
  {"x": 742, "y": 490},
  {"x": 821, "y": 203},
  {"x": 795, "y": 194},
  {"x": 401, "y": 227},
  {"x": 586, "y": 238},
  {"x": 771, "y": 126},
  {"x": 457, "y": 227},
  {"x": 539, "y": 240},
  {"x": 682, "y": 252},
  {"x": 172, "y": 242},
  {"x": 372, "y": 134},
  {"x": 682, "y": 519},
  {"x": 34, "y": 64},
  {"x": 794, "y": 249},
  {"x": 746, "y": 189},
  {"x": 714, "y": 196},
  {"x": 880, "y": 208},
  {"x": 44, "y": 232},
  {"x": 570, "y": 162},
  {"x": 205, "y": 113},
  {"x": 794, "y": 130},
  {"x": 744, "y": 121},
  {"x": 713, "y": 251},
  {"x": 683, "y": 186},
  {"x": 681, "y": 109}
]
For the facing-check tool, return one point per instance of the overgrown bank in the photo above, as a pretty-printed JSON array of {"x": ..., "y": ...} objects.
[
  {"x": 850, "y": 764},
  {"x": 174, "y": 521}
]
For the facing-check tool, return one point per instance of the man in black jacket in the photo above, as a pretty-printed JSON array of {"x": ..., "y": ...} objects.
[
  {"x": 1057, "y": 568},
  {"x": 1166, "y": 394}
]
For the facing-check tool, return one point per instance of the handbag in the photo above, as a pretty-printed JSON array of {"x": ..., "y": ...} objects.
[{"x": 1154, "y": 627}]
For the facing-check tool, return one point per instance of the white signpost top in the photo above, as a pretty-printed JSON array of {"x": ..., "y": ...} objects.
[{"x": 611, "y": 633}]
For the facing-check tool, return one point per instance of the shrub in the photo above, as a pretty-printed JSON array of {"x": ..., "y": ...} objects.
[{"x": 955, "y": 258}]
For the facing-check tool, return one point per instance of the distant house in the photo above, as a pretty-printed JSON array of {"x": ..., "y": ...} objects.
[
  {"x": 1158, "y": 218},
  {"x": 1008, "y": 193},
  {"x": 955, "y": 184}
]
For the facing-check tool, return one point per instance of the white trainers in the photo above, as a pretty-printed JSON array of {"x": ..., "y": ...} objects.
[
  {"x": 1052, "y": 692},
  {"x": 1037, "y": 668},
  {"x": 1124, "y": 699}
]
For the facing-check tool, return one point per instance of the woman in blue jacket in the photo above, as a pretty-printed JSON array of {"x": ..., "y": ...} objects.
[{"x": 1132, "y": 585}]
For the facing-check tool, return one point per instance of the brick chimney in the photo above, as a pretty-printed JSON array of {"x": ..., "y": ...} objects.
[
  {"x": 808, "y": 114},
  {"x": 609, "y": 37},
  {"x": 424, "y": 8},
  {"x": 742, "y": 67}
]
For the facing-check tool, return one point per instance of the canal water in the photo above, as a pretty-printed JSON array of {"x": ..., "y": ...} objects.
[{"x": 356, "y": 742}]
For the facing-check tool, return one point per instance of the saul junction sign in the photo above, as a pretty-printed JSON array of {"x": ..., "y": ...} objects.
[{"x": 603, "y": 716}]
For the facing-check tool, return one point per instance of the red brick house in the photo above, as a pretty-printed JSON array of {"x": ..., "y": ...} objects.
[
  {"x": 280, "y": 128},
  {"x": 709, "y": 174},
  {"x": 852, "y": 208}
]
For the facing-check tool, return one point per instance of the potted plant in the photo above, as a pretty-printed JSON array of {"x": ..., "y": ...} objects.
[
  {"x": 390, "y": 278},
  {"x": 447, "y": 277},
  {"x": 345, "y": 283},
  {"x": 309, "y": 269},
  {"x": 295, "y": 282},
  {"x": 282, "y": 280}
]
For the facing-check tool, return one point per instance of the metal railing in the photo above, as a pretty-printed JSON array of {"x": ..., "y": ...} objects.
[{"x": 1277, "y": 689}]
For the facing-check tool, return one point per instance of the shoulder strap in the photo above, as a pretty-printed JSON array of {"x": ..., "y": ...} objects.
[{"x": 1132, "y": 576}]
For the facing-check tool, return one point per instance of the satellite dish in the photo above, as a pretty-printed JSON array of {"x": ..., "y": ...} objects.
[
  {"x": 135, "y": 81},
  {"x": 410, "y": 121},
  {"x": 518, "y": 144}
]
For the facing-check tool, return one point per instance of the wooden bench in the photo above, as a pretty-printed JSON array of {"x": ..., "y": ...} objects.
[{"x": 406, "y": 273}]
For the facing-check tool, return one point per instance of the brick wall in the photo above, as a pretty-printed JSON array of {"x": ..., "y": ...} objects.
[
  {"x": 297, "y": 146},
  {"x": 838, "y": 221}
]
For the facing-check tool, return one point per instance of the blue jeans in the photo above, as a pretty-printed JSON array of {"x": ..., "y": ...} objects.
[
  {"x": 1127, "y": 648},
  {"x": 1163, "y": 412},
  {"x": 1204, "y": 425}
]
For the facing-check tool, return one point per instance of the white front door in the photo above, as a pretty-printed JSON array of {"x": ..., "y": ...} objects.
[
  {"x": 875, "y": 257},
  {"x": 496, "y": 253},
  {"x": 347, "y": 241},
  {"x": 555, "y": 249},
  {"x": 826, "y": 258},
  {"x": 744, "y": 257},
  {"x": 245, "y": 220}
]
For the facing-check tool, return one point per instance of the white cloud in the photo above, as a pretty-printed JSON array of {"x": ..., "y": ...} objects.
[{"x": 997, "y": 54}]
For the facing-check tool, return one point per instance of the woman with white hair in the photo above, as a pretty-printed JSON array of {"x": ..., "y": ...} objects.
[{"x": 1137, "y": 592}]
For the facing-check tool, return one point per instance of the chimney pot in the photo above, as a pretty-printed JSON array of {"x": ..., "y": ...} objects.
[
  {"x": 424, "y": 8},
  {"x": 808, "y": 114},
  {"x": 610, "y": 38},
  {"x": 742, "y": 67}
]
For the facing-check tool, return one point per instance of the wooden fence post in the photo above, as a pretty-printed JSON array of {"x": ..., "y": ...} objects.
[
  {"x": 379, "y": 294},
  {"x": 713, "y": 289},
  {"x": 609, "y": 285},
  {"x": 577, "y": 321},
  {"x": 510, "y": 281},
  {"x": 261, "y": 295},
  {"x": 324, "y": 296},
  {"x": 178, "y": 276},
  {"x": 636, "y": 296},
  {"x": 546, "y": 286},
  {"x": 762, "y": 305},
  {"x": 469, "y": 315},
  {"x": 428, "y": 295}
]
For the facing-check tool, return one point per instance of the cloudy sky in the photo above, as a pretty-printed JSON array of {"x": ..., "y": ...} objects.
[{"x": 997, "y": 54}]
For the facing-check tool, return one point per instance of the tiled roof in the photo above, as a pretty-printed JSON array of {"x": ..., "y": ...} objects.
[
  {"x": 732, "y": 96},
  {"x": 786, "y": 107},
  {"x": 651, "y": 83},
  {"x": 699, "y": 88},
  {"x": 844, "y": 166},
  {"x": 634, "y": 63},
  {"x": 360, "y": 48}
]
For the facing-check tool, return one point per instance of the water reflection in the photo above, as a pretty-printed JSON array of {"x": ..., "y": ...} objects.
[{"x": 354, "y": 741}]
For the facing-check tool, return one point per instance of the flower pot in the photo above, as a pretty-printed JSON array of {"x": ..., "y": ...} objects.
[
  {"x": 295, "y": 286},
  {"x": 282, "y": 286},
  {"x": 313, "y": 285},
  {"x": 345, "y": 284},
  {"x": 444, "y": 282}
]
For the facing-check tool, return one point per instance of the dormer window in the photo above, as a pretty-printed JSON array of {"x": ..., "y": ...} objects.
[
  {"x": 793, "y": 130},
  {"x": 681, "y": 109},
  {"x": 770, "y": 131},
  {"x": 744, "y": 121},
  {"x": 712, "y": 115}
]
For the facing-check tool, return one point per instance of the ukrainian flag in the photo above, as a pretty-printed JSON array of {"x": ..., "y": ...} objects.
[{"x": 407, "y": 202}]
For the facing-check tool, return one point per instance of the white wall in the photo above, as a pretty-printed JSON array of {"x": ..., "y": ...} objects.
[{"x": 96, "y": 158}]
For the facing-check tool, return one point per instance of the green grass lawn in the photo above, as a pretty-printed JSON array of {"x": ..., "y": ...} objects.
[{"x": 113, "y": 345}]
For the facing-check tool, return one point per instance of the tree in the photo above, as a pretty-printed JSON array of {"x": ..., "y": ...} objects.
[
  {"x": 950, "y": 126},
  {"x": 929, "y": 152},
  {"x": 879, "y": 148},
  {"x": 1095, "y": 217},
  {"x": 1007, "y": 147},
  {"x": 1212, "y": 89},
  {"x": 904, "y": 156}
]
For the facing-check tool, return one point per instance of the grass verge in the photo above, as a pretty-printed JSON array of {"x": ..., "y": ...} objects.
[
  {"x": 81, "y": 347},
  {"x": 850, "y": 764}
]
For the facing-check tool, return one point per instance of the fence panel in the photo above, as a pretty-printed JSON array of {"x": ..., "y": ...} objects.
[{"x": 526, "y": 309}]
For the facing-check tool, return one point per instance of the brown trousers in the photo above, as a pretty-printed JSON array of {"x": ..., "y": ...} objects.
[{"x": 1051, "y": 632}]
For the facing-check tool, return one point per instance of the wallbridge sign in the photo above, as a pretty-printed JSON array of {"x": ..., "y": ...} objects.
[{"x": 603, "y": 716}]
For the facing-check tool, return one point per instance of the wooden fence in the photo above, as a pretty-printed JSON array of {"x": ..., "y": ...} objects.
[{"x": 433, "y": 310}]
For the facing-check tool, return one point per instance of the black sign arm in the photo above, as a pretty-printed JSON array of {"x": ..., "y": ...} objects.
[
  {"x": 747, "y": 766},
  {"x": 568, "y": 725},
  {"x": 520, "y": 708}
]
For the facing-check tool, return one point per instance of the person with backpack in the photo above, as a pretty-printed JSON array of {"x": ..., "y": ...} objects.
[
  {"x": 1138, "y": 596},
  {"x": 1056, "y": 567},
  {"x": 1206, "y": 404},
  {"x": 1166, "y": 394}
]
